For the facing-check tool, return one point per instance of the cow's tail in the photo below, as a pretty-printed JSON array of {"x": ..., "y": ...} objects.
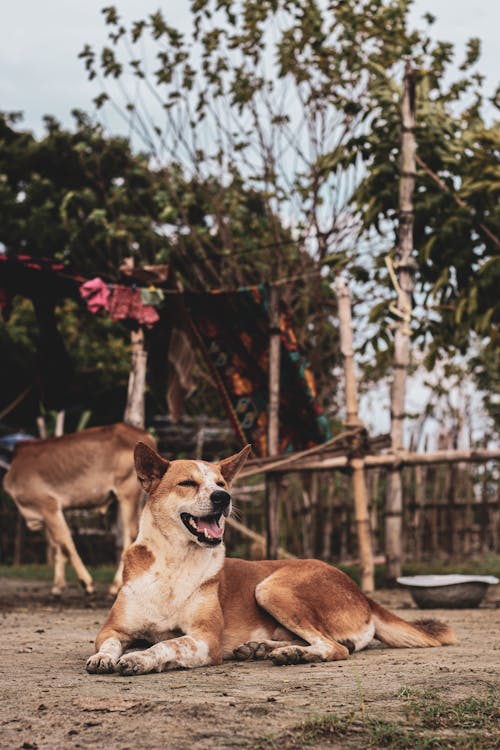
[{"x": 396, "y": 632}]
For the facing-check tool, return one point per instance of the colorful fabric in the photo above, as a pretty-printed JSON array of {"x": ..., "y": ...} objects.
[
  {"x": 152, "y": 296},
  {"x": 125, "y": 302},
  {"x": 233, "y": 331},
  {"x": 96, "y": 294}
]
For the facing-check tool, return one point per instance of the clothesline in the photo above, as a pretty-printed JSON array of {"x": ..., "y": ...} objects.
[{"x": 120, "y": 300}]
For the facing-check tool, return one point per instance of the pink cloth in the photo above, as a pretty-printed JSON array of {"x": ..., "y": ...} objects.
[
  {"x": 126, "y": 302},
  {"x": 96, "y": 293}
]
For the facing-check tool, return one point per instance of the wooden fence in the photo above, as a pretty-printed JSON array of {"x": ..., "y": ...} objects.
[{"x": 451, "y": 511}]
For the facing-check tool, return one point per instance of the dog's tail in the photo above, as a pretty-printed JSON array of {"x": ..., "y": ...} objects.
[{"x": 398, "y": 633}]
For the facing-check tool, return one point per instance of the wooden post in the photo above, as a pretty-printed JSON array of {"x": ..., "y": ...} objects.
[
  {"x": 352, "y": 420},
  {"x": 59, "y": 428},
  {"x": 404, "y": 270},
  {"x": 418, "y": 520},
  {"x": 42, "y": 427},
  {"x": 134, "y": 410},
  {"x": 346, "y": 347},
  {"x": 273, "y": 482}
]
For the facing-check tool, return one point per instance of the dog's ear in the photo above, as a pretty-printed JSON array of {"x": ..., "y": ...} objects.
[
  {"x": 150, "y": 466},
  {"x": 229, "y": 467}
]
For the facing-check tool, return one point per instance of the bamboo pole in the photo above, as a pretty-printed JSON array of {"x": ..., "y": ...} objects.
[
  {"x": 42, "y": 427},
  {"x": 405, "y": 263},
  {"x": 273, "y": 483},
  {"x": 309, "y": 502},
  {"x": 418, "y": 513},
  {"x": 347, "y": 350},
  {"x": 388, "y": 460},
  {"x": 134, "y": 410},
  {"x": 59, "y": 429},
  {"x": 352, "y": 420},
  {"x": 327, "y": 520}
]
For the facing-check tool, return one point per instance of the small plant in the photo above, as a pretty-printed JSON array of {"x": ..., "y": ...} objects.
[
  {"x": 469, "y": 713},
  {"x": 467, "y": 724}
]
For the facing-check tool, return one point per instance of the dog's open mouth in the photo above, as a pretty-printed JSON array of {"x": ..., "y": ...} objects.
[{"x": 207, "y": 529}]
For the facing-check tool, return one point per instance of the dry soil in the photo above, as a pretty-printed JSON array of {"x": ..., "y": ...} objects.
[{"x": 49, "y": 701}]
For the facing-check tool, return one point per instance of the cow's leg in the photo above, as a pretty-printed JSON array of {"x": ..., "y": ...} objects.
[
  {"x": 59, "y": 570},
  {"x": 60, "y": 533},
  {"x": 129, "y": 497},
  {"x": 59, "y": 583}
]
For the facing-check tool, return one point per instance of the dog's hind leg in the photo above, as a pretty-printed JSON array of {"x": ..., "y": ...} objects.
[{"x": 282, "y": 598}]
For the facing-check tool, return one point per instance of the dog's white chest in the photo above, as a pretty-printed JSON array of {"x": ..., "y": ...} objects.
[{"x": 160, "y": 603}]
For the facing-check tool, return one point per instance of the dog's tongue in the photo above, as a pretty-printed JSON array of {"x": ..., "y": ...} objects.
[{"x": 211, "y": 528}]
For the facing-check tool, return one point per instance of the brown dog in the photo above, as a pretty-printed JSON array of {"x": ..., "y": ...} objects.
[{"x": 197, "y": 607}]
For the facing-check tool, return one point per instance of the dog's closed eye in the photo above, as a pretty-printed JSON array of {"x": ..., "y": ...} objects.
[
  {"x": 188, "y": 483},
  {"x": 220, "y": 484}
]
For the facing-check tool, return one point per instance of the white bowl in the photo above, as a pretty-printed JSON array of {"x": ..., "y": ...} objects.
[{"x": 452, "y": 591}]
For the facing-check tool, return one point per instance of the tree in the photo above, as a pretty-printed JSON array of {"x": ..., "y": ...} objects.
[
  {"x": 77, "y": 196},
  {"x": 301, "y": 101}
]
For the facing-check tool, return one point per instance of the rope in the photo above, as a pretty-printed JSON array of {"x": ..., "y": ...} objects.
[{"x": 405, "y": 313}]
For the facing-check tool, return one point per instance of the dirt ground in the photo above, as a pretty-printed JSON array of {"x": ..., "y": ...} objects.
[{"x": 47, "y": 700}]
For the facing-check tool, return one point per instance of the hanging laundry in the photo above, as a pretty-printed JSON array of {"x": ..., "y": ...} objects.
[
  {"x": 152, "y": 296},
  {"x": 96, "y": 294},
  {"x": 233, "y": 332},
  {"x": 147, "y": 316},
  {"x": 126, "y": 302},
  {"x": 120, "y": 302}
]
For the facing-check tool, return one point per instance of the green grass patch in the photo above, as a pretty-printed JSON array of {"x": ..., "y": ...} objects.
[
  {"x": 467, "y": 724},
  {"x": 308, "y": 733},
  {"x": 35, "y": 572},
  {"x": 431, "y": 712},
  {"x": 487, "y": 565}
]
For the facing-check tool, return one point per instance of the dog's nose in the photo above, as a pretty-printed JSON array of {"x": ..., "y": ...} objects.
[{"x": 220, "y": 500}]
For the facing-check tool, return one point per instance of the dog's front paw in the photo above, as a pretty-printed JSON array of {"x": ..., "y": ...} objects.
[
  {"x": 100, "y": 664},
  {"x": 137, "y": 662}
]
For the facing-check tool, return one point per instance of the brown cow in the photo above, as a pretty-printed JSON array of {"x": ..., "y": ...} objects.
[{"x": 77, "y": 471}]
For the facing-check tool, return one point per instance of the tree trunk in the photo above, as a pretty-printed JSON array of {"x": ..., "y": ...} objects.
[
  {"x": 134, "y": 411},
  {"x": 352, "y": 420},
  {"x": 273, "y": 482},
  {"x": 405, "y": 283}
]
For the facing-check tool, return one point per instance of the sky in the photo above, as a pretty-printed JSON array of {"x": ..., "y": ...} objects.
[{"x": 40, "y": 41}]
